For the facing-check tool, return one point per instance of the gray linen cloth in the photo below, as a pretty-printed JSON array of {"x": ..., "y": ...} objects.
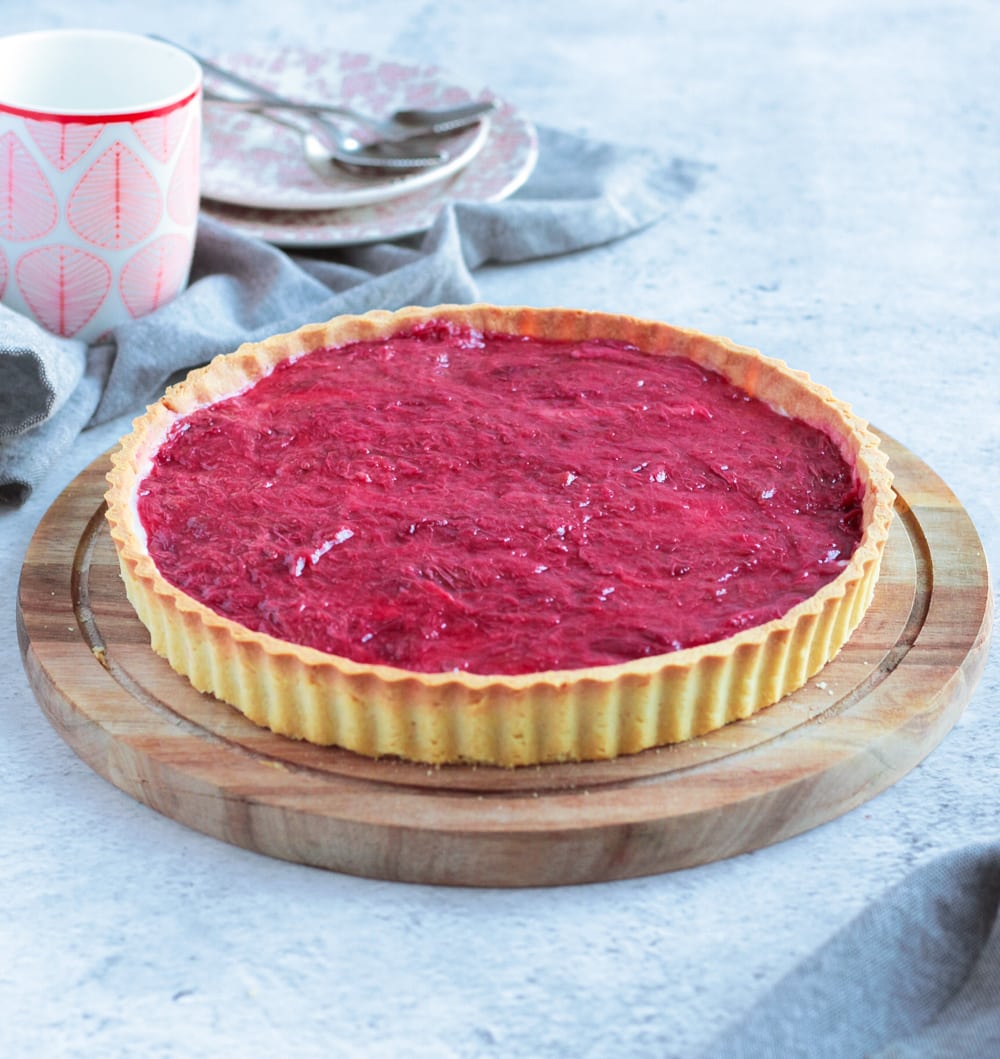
[
  {"x": 915, "y": 976},
  {"x": 581, "y": 193}
]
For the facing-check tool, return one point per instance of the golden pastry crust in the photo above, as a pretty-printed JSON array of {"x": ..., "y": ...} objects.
[{"x": 569, "y": 715}]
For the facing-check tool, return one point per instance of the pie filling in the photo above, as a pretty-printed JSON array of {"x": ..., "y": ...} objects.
[{"x": 449, "y": 499}]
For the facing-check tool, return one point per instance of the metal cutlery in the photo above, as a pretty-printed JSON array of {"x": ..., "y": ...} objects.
[
  {"x": 401, "y": 125},
  {"x": 333, "y": 147},
  {"x": 325, "y": 143}
]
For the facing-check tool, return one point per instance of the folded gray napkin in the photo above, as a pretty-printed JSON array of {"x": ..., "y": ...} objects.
[
  {"x": 582, "y": 193},
  {"x": 915, "y": 976}
]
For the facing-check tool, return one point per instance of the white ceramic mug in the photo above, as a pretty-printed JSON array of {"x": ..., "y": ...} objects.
[{"x": 100, "y": 135}]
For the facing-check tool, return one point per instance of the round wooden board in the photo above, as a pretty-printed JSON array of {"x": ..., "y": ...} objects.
[{"x": 873, "y": 713}]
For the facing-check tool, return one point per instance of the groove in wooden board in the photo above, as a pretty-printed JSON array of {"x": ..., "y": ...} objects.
[
  {"x": 871, "y": 715},
  {"x": 157, "y": 684}
]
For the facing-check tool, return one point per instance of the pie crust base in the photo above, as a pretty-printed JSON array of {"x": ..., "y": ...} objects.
[{"x": 510, "y": 720}]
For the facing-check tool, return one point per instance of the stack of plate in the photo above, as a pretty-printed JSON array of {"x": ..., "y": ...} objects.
[{"x": 255, "y": 176}]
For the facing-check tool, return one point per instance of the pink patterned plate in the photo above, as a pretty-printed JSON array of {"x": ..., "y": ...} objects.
[
  {"x": 251, "y": 161},
  {"x": 502, "y": 162},
  {"x": 287, "y": 182}
]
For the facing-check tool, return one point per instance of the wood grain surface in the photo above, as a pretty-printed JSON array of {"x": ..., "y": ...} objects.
[{"x": 876, "y": 711}]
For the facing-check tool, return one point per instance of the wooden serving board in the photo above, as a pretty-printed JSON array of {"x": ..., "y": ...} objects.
[{"x": 871, "y": 715}]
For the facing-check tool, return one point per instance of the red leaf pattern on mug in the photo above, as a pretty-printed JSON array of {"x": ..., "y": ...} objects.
[
  {"x": 182, "y": 195},
  {"x": 116, "y": 204},
  {"x": 162, "y": 134},
  {"x": 28, "y": 208},
  {"x": 63, "y": 286},
  {"x": 155, "y": 274},
  {"x": 63, "y": 143}
]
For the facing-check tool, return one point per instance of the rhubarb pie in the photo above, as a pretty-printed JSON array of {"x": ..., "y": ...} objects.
[{"x": 498, "y": 535}]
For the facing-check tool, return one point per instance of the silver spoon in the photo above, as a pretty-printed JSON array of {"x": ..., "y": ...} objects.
[
  {"x": 399, "y": 126},
  {"x": 377, "y": 159}
]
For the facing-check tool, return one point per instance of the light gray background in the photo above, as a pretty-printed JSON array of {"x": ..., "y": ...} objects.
[{"x": 847, "y": 222}]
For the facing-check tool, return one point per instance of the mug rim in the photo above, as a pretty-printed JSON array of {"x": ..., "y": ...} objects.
[{"x": 156, "y": 107}]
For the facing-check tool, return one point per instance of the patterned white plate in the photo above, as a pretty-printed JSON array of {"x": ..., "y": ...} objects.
[
  {"x": 249, "y": 160},
  {"x": 502, "y": 161}
]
